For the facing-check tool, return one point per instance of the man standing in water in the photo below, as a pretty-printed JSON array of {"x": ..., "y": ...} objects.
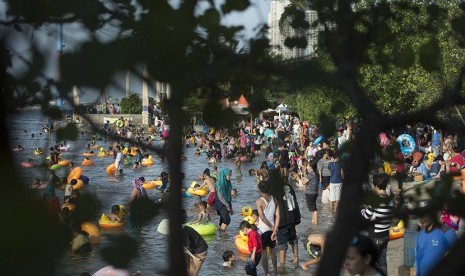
[{"x": 268, "y": 212}]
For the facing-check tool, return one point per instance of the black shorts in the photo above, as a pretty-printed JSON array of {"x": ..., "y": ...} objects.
[
  {"x": 286, "y": 235},
  {"x": 311, "y": 202},
  {"x": 325, "y": 181},
  {"x": 266, "y": 240},
  {"x": 224, "y": 215}
]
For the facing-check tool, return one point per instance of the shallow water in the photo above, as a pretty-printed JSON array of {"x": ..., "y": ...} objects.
[{"x": 152, "y": 259}]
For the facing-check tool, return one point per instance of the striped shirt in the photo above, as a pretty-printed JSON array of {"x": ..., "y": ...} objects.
[{"x": 379, "y": 218}]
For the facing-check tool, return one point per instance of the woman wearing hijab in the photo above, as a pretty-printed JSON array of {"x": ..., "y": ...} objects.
[{"x": 223, "y": 197}]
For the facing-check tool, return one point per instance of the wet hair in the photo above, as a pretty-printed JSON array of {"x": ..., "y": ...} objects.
[
  {"x": 245, "y": 225},
  {"x": 234, "y": 189},
  {"x": 73, "y": 182},
  {"x": 164, "y": 175},
  {"x": 206, "y": 172},
  {"x": 227, "y": 255},
  {"x": 263, "y": 187},
  {"x": 203, "y": 203},
  {"x": 142, "y": 179},
  {"x": 366, "y": 246},
  {"x": 115, "y": 209},
  {"x": 255, "y": 212},
  {"x": 380, "y": 180}
]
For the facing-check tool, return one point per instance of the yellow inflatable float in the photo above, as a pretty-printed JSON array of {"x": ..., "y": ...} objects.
[
  {"x": 79, "y": 185},
  {"x": 102, "y": 153},
  {"x": 111, "y": 169},
  {"x": 87, "y": 162},
  {"x": 198, "y": 192},
  {"x": 64, "y": 162},
  {"x": 92, "y": 231},
  {"x": 74, "y": 174},
  {"x": 397, "y": 232},
  {"x": 147, "y": 161},
  {"x": 150, "y": 185},
  {"x": 105, "y": 221},
  {"x": 204, "y": 229},
  {"x": 242, "y": 245}
]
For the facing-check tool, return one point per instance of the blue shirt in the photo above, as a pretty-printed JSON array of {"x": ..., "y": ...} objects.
[
  {"x": 335, "y": 169},
  {"x": 431, "y": 248}
]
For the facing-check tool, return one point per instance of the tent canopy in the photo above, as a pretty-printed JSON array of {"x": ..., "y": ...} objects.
[
  {"x": 281, "y": 108},
  {"x": 243, "y": 101}
]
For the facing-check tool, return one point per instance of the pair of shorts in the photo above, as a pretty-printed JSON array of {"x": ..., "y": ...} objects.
[
  {"x": 311, "y": 202},
  {"x": 211, "y": 199},
  {"x": 286, "y": 235},
  {"x": 266, "y": 240},
  {"x": 335, "y": 190}
]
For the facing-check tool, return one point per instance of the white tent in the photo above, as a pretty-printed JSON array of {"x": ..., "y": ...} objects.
[{"x": 281, "y": 108}]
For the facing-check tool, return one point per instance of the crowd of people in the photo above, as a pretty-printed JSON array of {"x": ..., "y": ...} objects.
[{"x": 295, "y": 159}]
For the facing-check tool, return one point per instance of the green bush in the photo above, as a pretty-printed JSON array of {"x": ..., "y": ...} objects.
[{"x": 131, "y": 105}]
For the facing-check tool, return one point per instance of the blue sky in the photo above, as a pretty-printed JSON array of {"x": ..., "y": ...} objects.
[{"x": 74, "y": 36}]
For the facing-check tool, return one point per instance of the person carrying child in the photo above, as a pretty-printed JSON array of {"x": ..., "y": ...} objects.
[{"x": 255, "y": 247}]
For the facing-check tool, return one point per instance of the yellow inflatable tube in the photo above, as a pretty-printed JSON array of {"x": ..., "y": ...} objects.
[
  {"x": 91, "y": 230},
  {"x": 64, "y": 162},
  {"x": 198, "y": 192},
  {"x": 242, "y": 246},
  {"x": 79, "y": 185},
  {"x": 105, "y": 222}
]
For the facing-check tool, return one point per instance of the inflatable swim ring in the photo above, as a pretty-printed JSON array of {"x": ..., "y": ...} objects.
[
  {"x": 246, "y": 211},
  {"x": 396, "y": 232},
  {"x": 87, "y": 162},
  {"x": 105, "y": 222},
  {"x": 204, "y": 229},
  {"x": 249, "y": 219},
  {"x": 26, "y": 164},
  {"x": 111, "y": 169},
  {"x": 198, "y": 192},
  {"x": 95, "y": 147},
  {"x": 318, "y": 140},
  {"x": 92, "y": 231},
  {"x": 38, "y": 152},
  {"x": 79, "y": 185},
  {"x": 242, "y": 246},
  {"x": 147, "y": 161},
  {"x": 150, "y": 185},
  {"x": 102, "y": 154},
  {"x": 55, "y": 167},
  {"x": 134, "y": 151},
  {"x": 407, "y": 143},
  {"x": 88, "y": 154},
  {"x": 64, "y": 162},
  {"x": 74, "y": 174}
]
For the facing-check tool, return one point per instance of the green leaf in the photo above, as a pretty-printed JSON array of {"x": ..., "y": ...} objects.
[
  {"x": 69, "y": 132},
  {"x": 429, "y": 55},
  {"x": 235, "y": 5},
  {"x": 405, "y": 57}
]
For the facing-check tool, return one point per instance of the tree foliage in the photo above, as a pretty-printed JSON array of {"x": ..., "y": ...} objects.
[{"x": 131, "y": 105}]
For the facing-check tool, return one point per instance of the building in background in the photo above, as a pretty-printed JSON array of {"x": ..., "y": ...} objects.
[{"x": 277, "y": 37}]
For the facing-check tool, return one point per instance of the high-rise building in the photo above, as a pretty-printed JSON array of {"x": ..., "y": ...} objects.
[{"x": 277, "y": 37}]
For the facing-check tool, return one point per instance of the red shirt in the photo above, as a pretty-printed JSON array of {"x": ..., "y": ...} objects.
[{"x": 255, "y": 241}]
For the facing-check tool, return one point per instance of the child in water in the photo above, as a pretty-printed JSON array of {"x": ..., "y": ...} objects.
[
  {"x": 203, "y": 216},
  {"x": 197, "y": 153},
  {"x": 114, "y": 216},
  {"x": 136, "y": 166},
  {"x": 228, "y": 258}
]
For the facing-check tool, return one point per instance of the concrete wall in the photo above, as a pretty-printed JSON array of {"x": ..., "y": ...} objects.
[{"x": 98, "y": 119}]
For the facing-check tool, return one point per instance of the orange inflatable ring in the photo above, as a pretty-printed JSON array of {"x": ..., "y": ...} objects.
[
  {"x": 74, "y": 174},
  {"x": 91, "y": 230},
  {"x": 64, "y": 162},
  {"x": 95, "y": 147},
  {"x": 150, "y": 185},
  {"x": 105, "y": 222},
  {"x": 87, "y": 162},
  {"x": 111, "y": 169},
  {"x": 242, "y": 246},
  {"x": 88, "y": 154},
  {"x": 397, "y": 231},
  {"x": 134, "y": 151},
  {"x": 79, "y": 185}
]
